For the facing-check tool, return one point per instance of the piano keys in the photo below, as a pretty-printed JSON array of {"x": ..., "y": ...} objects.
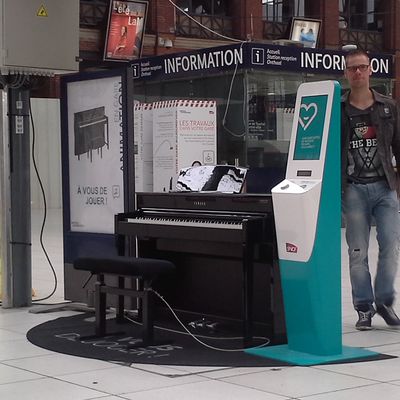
[{"x": 223, "y": 246}]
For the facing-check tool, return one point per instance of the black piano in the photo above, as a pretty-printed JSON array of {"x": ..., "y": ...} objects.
[
  {"x": 90, "y": 131},
  {"x": 224, "y": 248}
]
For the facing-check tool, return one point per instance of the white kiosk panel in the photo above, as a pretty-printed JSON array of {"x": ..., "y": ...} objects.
[{"x": 296, "y": 199}]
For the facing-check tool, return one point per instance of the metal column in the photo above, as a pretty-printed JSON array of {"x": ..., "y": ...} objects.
[
  {"x": 18, "y": 266},
  {"x": 5, "y": 201}
]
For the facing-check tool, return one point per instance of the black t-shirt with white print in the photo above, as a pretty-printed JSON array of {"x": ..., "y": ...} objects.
[{"x": 364, "y": 164}]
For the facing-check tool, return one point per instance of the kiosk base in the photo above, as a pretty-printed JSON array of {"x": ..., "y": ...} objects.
[{"x": 283, "y": 353}]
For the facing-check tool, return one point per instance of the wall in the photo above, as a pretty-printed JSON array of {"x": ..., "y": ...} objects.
[{"x": 46, "y": 119}]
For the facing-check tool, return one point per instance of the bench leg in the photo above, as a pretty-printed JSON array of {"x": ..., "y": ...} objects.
[
  {"x": 100, "y": 306},
  {"x": 147, "y": 315},
  {"x": 121, "y": 301}
]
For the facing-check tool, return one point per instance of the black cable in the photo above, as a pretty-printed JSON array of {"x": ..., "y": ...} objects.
[{"x": 44, "y": 208}]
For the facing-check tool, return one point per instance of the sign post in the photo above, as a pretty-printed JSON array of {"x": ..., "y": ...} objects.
[{"x": 307, "y": 210}]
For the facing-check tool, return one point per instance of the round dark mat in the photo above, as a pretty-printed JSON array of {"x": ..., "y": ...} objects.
[
  {"x": 64, "y": 335},
  {"x": 173, "y": 347}
]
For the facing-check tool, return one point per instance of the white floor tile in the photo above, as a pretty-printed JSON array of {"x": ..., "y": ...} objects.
[
  {"x": 171, "y": 370},
  {"x": 10, "y": 374},
  {"x": 372, "y": 392},
  {"x": 6, "y": 335},
  {"x": 210, "y": 390},
  {"x": 297, "y": 381},
  {"x": 46, "y": 389},
  {"x": 126, "y": 380},
  {"x": 20, "y": 349},
  {"x": 382, "y": 370},
  {"x": 231, "y": 372},
  {"x": 373, "y": 338},
  {"x": 57, "y": 364},
  {"x": 109, "y": 398}
]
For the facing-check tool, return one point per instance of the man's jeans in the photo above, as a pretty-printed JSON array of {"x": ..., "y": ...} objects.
[{"x": 361, "y": 203}]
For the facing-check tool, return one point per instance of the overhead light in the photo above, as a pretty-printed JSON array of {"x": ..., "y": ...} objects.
[
  {"x": 167, "y": 43},
  {"x": 349, "y": 47}
]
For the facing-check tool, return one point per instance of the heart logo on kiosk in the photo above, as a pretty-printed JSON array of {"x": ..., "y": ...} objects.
[{"x": 306, "y": 117}]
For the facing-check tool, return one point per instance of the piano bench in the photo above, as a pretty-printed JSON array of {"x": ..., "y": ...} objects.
[{"x": 145, "y": 270}]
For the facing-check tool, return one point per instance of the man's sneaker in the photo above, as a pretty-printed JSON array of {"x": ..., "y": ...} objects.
[
  {"x": 364, "y": 320},
  {"x": 388, "y": 314}
]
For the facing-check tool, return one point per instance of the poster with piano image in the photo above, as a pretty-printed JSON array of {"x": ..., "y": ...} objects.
[{"x": 95, "y": 153}]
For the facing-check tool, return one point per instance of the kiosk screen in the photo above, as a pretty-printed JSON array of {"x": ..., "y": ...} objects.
[{"x": 310, "y": 127}]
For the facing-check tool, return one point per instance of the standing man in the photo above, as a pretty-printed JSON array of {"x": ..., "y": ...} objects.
[{"x": 370, "y": 140}]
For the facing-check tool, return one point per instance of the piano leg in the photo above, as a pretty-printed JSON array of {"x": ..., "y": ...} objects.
[{"x": 248, "y": 253}]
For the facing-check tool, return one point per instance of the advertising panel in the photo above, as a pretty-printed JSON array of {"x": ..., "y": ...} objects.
[
  {"x": 95, "y": 154},
  {"x": 125, "y": 30}
]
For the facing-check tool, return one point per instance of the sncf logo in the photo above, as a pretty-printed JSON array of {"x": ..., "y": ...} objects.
[{"x": 291, "y": 248}]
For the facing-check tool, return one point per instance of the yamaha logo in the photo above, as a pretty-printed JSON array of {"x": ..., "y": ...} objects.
[{"x": 291, "y": 248}]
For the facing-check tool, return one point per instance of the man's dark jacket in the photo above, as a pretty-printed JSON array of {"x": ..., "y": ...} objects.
[{"x": 385, "y": 117}]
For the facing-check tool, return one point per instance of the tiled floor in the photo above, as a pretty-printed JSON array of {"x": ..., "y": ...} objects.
[{"x": 28, "y": 372}]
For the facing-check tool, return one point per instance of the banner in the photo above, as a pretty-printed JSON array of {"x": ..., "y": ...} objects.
[
  {"x": 260, "y": 56},
  {"x": 95, "y": 153}
]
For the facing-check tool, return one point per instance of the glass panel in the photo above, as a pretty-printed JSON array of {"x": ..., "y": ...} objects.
[
  {"x": 254, "y": 122},
  {"x": 271, "y": 101},
  {"x": 231, "y": 115}
]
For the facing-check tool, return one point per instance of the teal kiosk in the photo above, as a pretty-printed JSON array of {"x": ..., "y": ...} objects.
[{"x": 307, "y": 210}]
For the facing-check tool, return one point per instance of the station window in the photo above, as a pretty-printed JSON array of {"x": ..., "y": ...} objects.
[
  {"x": 203, "y": 7},
  {"x": 282, "y": 10},
  {"x": 361, "y": 14}
]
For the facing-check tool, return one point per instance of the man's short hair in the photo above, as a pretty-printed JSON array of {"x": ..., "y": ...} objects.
[{"x": 356, "y": 52}]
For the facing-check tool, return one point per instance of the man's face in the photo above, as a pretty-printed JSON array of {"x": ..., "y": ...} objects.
[{"x": 358, "y": 71}]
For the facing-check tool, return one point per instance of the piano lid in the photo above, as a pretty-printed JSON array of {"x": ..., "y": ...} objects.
[
  {"x": 216, "y": 178},
  {"x": 211, "y": 201}
]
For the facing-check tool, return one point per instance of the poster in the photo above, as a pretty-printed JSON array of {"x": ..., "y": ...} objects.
[
  {"x": 184, "y": 135},
  {"x": 143, "y": 146},
  {"x": 305, "y": 31},
  {"x": 125, "y": 31},
  {"x": 95, "y": 154}
]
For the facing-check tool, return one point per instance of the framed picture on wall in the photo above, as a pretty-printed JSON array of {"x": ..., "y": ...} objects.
[
  {"x": 306, "y": 31},
  {"x": 125, "y": 30}
]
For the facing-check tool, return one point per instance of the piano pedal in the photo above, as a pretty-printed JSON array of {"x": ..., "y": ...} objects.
[
  {"x": 204, "y": 325},
  {"x": 132, "y": 314}
]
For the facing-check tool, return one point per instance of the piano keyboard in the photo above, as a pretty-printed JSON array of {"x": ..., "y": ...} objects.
[{"x": 192, "y": 223}]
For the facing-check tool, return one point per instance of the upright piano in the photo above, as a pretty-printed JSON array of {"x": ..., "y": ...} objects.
[{"x": 225, "y": 251}]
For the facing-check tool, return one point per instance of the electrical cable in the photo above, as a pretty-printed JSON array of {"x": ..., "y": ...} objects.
[
  {"x": 163, "y": 328},
  {"x": 17, "y": 82},
  {"x": 203, "y": 26},
  {"x": 196, "y": 336},
  {"x": 44, "y": 209},
  {"x": 239, "y": 135}
]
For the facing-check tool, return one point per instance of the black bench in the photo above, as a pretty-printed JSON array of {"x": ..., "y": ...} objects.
[{"x": 145, "y": 270}]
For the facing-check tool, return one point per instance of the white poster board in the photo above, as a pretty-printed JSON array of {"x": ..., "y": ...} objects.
[
  {"x": 95, "y": 153},
  {"x": 184, "y": 135},
  {"x": 143, "y": 146}
]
